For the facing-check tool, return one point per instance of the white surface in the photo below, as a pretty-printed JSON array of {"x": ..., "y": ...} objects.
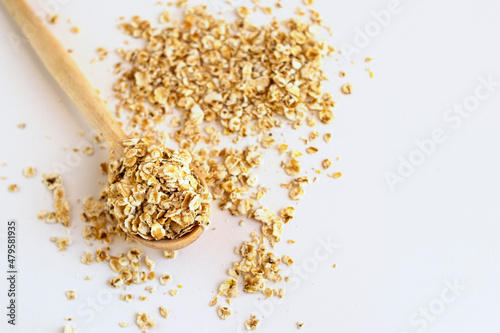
[{"x": 397, "y": 249}]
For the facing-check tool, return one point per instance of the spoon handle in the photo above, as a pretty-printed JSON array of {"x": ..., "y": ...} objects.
[{"x": 64, "y": 69}]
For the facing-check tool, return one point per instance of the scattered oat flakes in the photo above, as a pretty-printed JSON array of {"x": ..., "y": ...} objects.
[
  {"x": 287, "y": 260},
  {"x": 69, "y": 329},
  {"x": 52, "y": 18},
  {"x": 347, "y": 88},
  {"x": 75, "y": 29},
  {"x": 102, "y": 53},
  {"x": 310, "y": 121},
  {"x": 165, "y": 17},
  {"x": 70, "y": 294},
  {"x": 300, "y": 325},
  {"x": 214, "y": 301},
  {"x": 144, "y": 321},
  {"x": 283, "y": 148},
  {"x": 267, "y": 10},
  {"x": 313, "y": 135},
  {"x": 295, "y": 154},
  {"x": 326, "y": 163},
  {"x": 229, "y": 288},
  {"x": 62, "y": 243},
  {"x": 308, "y": 2},
  {"x": 267, "y": 141},
  {"x": 181, "y": 3},
  {"x": 13, "y": 188},
  {"x": 327, "y": 137},
  {"x": 252, "y": 323},
  {"x": 88, "y": 151},
  {"x": 224, "y": 312},
  {"x": 104, "y": 168},
  {"x": 165, "y": 279},
  {"x": 292, "y": 168},
  {"x": 87, "y": 258},
  {"x": 173, "y": 292},
  {"x": 127, "y": 298},
  {"x": 287, "y": 214},
  {"x": 54, "y": 183},
  {"x": 123, "y": 324},
  {"x": 164, "y": 312},
  {"x": 336, "y": 175},
  {"x": 170, "y": 254},
  {"x": 243, "y": 12},
  {"x": 149, "y": 263},
  {"x": 21, "y": 125},
  {"x": 29, "y": 171},
  {"x": 312, "y": 150}
]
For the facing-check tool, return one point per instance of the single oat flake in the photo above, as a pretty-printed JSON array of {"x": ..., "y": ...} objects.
[
  {"x": 29, "y": 171},
  {"x": 164, "y": 312},
  {"x": 70, "y": 294},
  {"x": 13, "y": 188}
]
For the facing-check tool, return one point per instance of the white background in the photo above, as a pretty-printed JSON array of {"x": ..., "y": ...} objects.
[{"x": 397, "y": 250}]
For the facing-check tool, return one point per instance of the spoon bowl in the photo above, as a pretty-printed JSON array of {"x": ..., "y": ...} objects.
[
  {"x": 177, "y": 243},
  {"x": 170, "y": 244}
]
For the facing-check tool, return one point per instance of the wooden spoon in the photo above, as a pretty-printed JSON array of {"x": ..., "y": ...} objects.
[{"x": 63, "y": 68}]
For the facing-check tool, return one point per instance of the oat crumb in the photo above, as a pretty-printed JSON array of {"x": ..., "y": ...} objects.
[
  {"x": 347, "y": 88},
  {"x": 69, "y": 329},
  {"x": 144, "y": 321},
  {"x": 29, "y": 171},
  {"x": 252, "y": 323},
  {"x": 224, "y": 312},
  {"x": 164, "y": 312},
  {"x": 70, "y": 295},
  {"x": 52, "y": 18},
  {"x": 327, "y": 137},
  {"x": 13, "y": 188},
  {"x": 87, "y": 258},
  {"x": 170, "y": 254}
]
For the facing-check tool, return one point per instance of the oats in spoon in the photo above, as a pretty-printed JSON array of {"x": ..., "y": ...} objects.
[{"x": 153, "y": 192}]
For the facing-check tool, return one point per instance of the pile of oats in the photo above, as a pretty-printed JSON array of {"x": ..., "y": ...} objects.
[
  {"x": 154, "y": 193},
  {"x": 240, "y": 80},
  {"x": 225, "y": 78},
  {"x": 245, "y": 77}
]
